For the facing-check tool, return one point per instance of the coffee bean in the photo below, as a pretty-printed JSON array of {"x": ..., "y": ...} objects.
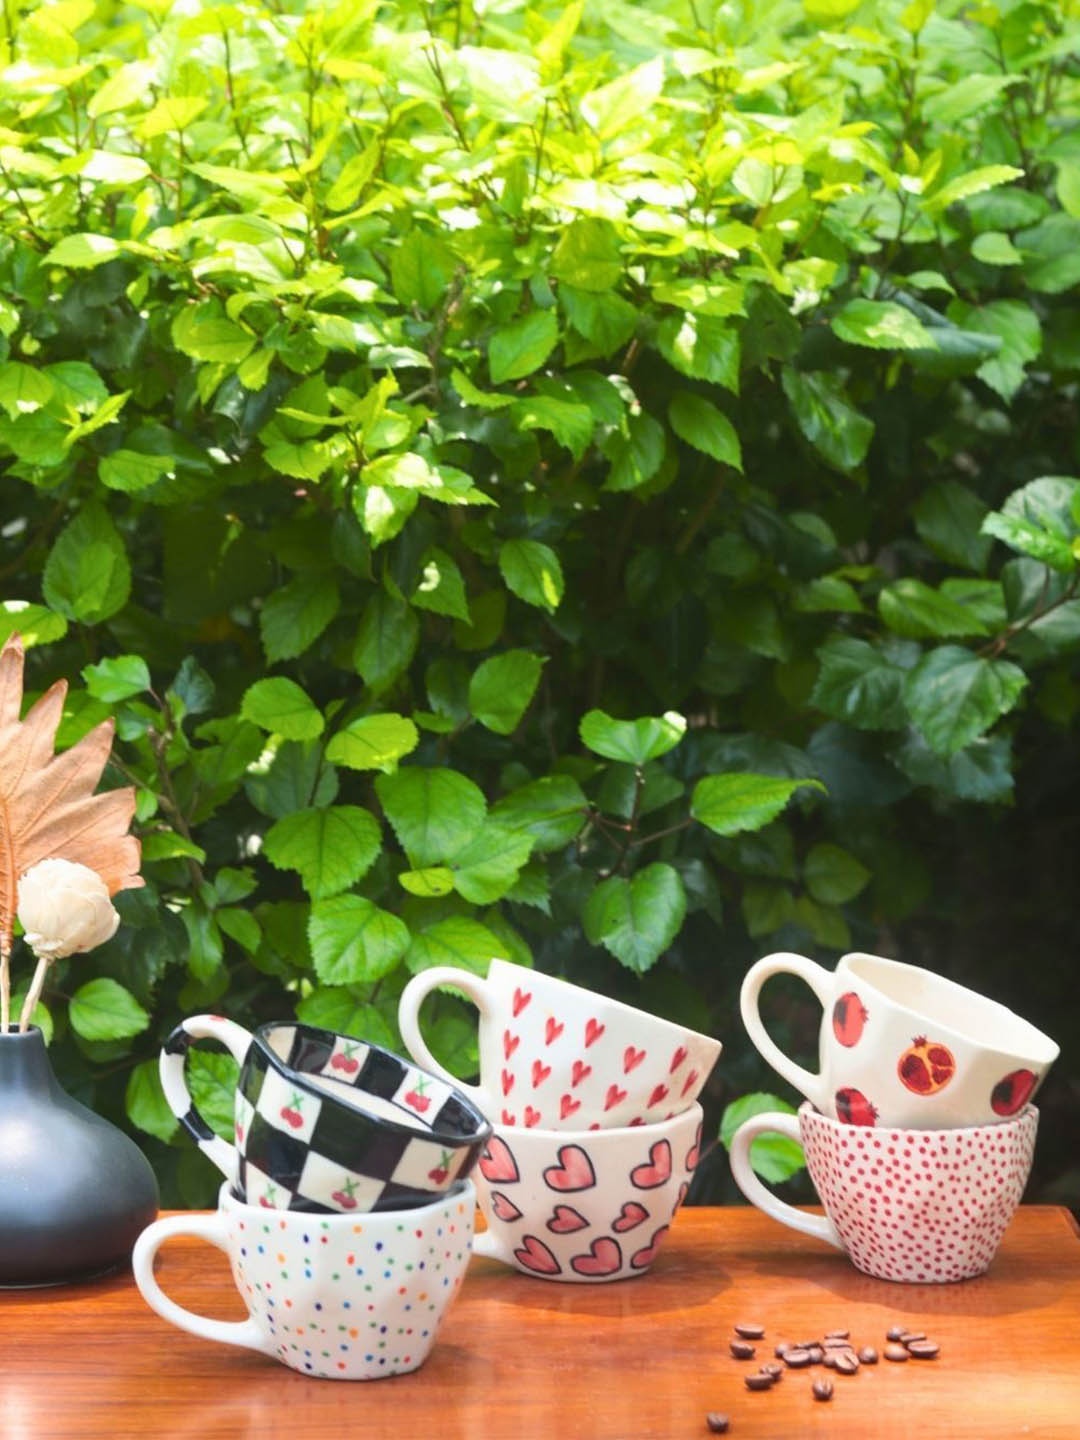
[
  {"x": 896, "y": 1332},
  {"x": 798, "y": 1358},
  {"x": 781, "y": 1349},
  {"x": 741, "y": 1349},
  {"x": 909, "y": 1335},
  {"x": 847, "y": 1362},
  {"x": 894, "y": 1351},
  {"x": 760, "y": 1381},
  {"x": 837, "y": 1334},
  {"x": 816, "y": 1353},
  {"x": 749, "y": 1330},
  {"x": 923, "y": 1349},
  {"x": 835, "y": 1343},
  {"x": 773, "y": 1368},
  {"x": 829, "y": 1360},
  {"x": 868, "y": 1355},
  {"x": 717, "y": 1423},
  {"x": 823, "y": 1389}
]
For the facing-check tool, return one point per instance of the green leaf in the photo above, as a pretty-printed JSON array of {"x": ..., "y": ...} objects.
[
  {"x": 948, "y": 517},
  {"x": 832, "y": 874},
  {"x": 910, "y": 607},
  {"x": 606, "y": 320},
  {"x": 353, "y": 176},
  {"x": 486, "y": 868},
  {"x": 633, "y": 741},
  {"x": 353, "y": 942},
  {"x": 729, "y": 804},
  {"x": 625, "y": 101},
  {"x": 240, "y": 925},
  {"x": 552, "y": 809},
  {"x": 294, "y": 616},
  {"x": 335, "y": 1007},
  {"x": 170, "y": 845},
  {"x": 430, "y": 883},
  {"x": 458, "y": 941},
  {"x": 953, "y": 696},
  {"x": 636, "y": 919},
  {"x": 145, "y": 1103},
  {"x": 103, "y": 1009},
  {"x": 699, "y": 422},
  {"x": 571, "y": 424},
  {"x": 701, "y": 347},
  {"x": 1029, "y": 539},
  {"x": 1016, "y": 325},
  {"x": 205, "y": 333},
  {"x": 774, "y": 1157},
  {"x": 23, "y": 388},
  {"x": 588, "y": 255},
  {"x": 282, "y": 707},
  {"x": 472, "y": 395},
  {"x": 212, "y": 1080},
  {"x": 440, "y": 587},
  {"x": 331, "y": 847},
  {"x": 125, "y": 87},
  {"x": 35, "y": 623},
  {"x": 985, "y": 177},
  {"x": 87, "y": 575},
  {"x": 881, "y": 325},
  {"x": 373, "y": 742},
  {"x": 130, "y": 471},
  {"x": 421, "y": 269},
  {"x": 836, "y": 430},
  {"x": 521, "y": 347},
  {"x": 995, "y": 248},
  {"x": 433, "y": 812},
  {"x": 532, "y": 571},
  {"x": 860, "y": 685},
  {"x": 635, "y": 456},
  {"x": 386, "y": 641},
  {"x": 83, "y": 252},
  {"x": 502, "y": 687},
  {"x": 118, "y": 678},
  {"x": 982, "y": 771}
]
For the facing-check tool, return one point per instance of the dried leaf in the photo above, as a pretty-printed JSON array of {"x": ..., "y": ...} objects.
[{"x": 47, "y": 805}]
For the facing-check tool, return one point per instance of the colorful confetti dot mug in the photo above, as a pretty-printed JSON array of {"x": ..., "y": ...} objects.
[
  {"x": 325, "y": 1122},
  {"x": 902, "y": 1046},
  {"x": 922, "y": 1206},
  {"x": 337, "y": 1297}
]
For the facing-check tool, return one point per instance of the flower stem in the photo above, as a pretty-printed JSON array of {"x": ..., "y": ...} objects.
[{"x": 33, "y": 995}]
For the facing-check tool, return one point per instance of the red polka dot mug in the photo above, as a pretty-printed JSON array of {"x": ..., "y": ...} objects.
[
  {"x": 902, "y": 1046},
  {"x": 922, "y": 1206}
]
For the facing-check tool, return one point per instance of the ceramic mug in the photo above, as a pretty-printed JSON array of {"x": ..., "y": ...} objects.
[
  {"x": 333, "y": 1296},
  {"x": 585, "y": 1206},
  {"x": 325, "y": 1122},
  {"x": 923, "y": 1206},
  {"x": 556, "y": 1056},
  {"x": 902, "y": 1046}
]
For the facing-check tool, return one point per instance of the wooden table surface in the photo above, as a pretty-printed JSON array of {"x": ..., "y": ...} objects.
[{"x": 528, "y": 1359}]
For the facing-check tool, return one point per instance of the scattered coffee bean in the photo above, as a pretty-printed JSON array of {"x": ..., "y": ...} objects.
[
  {"x": 832, "y": 1342},
  {"x": 773, "y": 1368},
  {"x": 798, "y": 1358},
  {"x": 837, "y": 1334},
  {"x": 817, "y": 1354},
  {"x": 741, "y": 1349},
  {"x": 847, "y": 1362},
  {"x": 893, "y": 1351},
  {"x": 781, "y": 1349},
  {"x": 923, "y": 1349},
  {"x": 868, "y": 1355},
  {"x": 760, "y": 1381},
  {"x": 823, "y": 1389},
  {"x": 829, "y": 1360},
  {"x": 749, "y": 1330},
  {"x": 895, "y": 1332},
  {"x": 717, "y": 1423},
  {"x": 909, "y": 1335}
]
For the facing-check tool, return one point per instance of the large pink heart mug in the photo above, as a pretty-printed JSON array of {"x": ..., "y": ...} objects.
[
  {"x": 923, "y": 1206},
  {"x": 556, "y": 1056}
]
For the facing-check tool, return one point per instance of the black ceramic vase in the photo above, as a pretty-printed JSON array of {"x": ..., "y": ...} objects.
[{"x": 75, "y": 1191}]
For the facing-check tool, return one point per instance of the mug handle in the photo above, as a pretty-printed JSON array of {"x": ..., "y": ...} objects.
[
  {"x": 475, "y": 987},
  {"x": 211, "y": 1228},
  {"x": 237, "y": 1041},
  {"x": 751, "y": 1185},
  {"x": 821, "y": 981}
]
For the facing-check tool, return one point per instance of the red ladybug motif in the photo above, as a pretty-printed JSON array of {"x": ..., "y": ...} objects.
[
  {"x": 848, "y": 1018},
  {"x": 926, "y": 1067},
  {"x": 1013, "y": 1092},
  {"x": 853, "y": 1108}
]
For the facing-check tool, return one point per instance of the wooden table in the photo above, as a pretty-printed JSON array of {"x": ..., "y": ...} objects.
[{"x": 525, "y": 1359}]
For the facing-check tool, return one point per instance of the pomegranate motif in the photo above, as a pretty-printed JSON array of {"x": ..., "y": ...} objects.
[
  {"x": 1013, "y": 1092},
  {"x": 926, "y": 1067},
  {"x": 853, "y": 1108},
  {"x": 848, "y": 1018}
]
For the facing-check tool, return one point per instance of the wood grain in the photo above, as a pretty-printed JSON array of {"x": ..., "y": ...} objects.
[{"x": 525, "y": 1359}]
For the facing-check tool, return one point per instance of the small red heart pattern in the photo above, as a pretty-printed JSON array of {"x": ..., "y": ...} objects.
[
  {"x": 630, "y": 1217},
  {"x": 497, "y": 1162},
  {"x": 657, "y": 1170},
  {"x": 503, "y": 1208},
  {"x": 565, "y": 1220},
  {"x": 534, "y": 1255},
  {"x": 574, "y": 1171},
  {"x": 643, "y": 1258},
  {"x": 604, "y": 1257}
]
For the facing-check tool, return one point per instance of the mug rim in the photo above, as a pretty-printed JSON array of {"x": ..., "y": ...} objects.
[
  {"x": 1043, "y": 1050},
  {"x": 809, "y": 1114},
  {"x": 448, "y": 1139},
  {"x": 622, "y": 1132},
  {"x": 618, "y": 1006},
  {"x": 460, "y": 1189}
]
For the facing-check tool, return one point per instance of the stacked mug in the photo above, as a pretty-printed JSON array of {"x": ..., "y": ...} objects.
[
  {"x": 917, "y": 1129},
  {"x": 597, "y": 1124},
  {"x": 347, "y": 1209}
]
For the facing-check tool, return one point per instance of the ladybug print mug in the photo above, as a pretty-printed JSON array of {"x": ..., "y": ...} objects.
[
  {"x": 919, "y": 1206},
  {"x": 902, "y": 1046}
]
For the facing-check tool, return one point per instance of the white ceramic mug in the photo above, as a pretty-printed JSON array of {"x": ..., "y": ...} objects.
[
  {"x": 339, "y": 1297},
  {"x": 912, "y": 1205},
  {"x": 556, "y": 1056},
  {"x": 902, "y": 1046},
  {"x": 585, "y": 1206}
]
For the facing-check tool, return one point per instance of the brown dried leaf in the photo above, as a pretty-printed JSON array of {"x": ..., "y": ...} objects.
[{"x": 47, "y": 806}]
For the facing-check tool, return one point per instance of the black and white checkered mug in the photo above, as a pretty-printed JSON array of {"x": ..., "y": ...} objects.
[{"x": 326, "y": 1122}]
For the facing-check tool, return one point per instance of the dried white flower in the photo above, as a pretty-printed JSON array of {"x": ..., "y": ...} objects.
[{"x": 64, "y": 908}]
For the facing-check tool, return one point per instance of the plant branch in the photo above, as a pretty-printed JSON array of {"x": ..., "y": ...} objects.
[{"x": 33, "y": 995}]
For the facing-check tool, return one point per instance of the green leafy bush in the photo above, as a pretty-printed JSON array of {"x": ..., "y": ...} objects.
[{"x": 590, "y": 483}]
